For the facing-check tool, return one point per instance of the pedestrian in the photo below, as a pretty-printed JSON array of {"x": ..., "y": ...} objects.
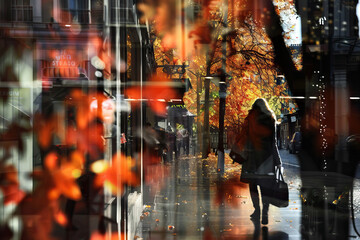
[
  {"x": 261, "y": 156},
  {"x": 186, "y": 141},
  {"x": 179, "y": 142}
]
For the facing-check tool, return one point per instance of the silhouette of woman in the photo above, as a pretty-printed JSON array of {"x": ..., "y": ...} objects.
[{"x": 262, "y": 155}]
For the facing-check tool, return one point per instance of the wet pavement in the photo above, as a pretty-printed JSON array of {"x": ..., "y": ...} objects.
[{"x": 187, "y": 206}]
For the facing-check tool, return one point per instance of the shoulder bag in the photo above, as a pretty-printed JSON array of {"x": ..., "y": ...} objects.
[{"x": 279, "y": 196}]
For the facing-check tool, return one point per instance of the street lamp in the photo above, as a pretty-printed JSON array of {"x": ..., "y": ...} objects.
[{"x": 206, "y": 135}]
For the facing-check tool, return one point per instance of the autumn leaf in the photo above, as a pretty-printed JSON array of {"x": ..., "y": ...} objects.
[
  {"x": 12, "y": 194},
  {"x": 40, "y": 209},
  {"x": 60, "y": 218},
  {"x": 116, "y": 175},
  {"x": 86, "y": 106},
  {"x": 58, "y": 178},
  {"x": 157, "y": 93},
  {"x": 9, "y": 184},
  {"x": 12, "y": 137},
  {"x": 47, "y": 127},
  {"x": 88, "y": 139},
  {"x": 37, "y": 213}
]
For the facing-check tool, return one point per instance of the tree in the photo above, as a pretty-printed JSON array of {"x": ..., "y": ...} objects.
[
  {"x": 253, "y": 74},
  {"x": 249, "y": 62}
]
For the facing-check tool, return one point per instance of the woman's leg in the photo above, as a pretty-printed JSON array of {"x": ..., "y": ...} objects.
[
  {"x": 265, "y": 202},
  {"x": 255, "y": 200}
]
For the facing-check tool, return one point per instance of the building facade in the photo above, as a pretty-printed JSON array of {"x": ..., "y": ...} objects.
[
  {"x": 329, "y": 46},
  {"x": 51, "y": 49}
]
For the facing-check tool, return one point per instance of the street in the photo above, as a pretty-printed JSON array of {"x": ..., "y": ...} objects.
[{"x": 186, "y": 208}]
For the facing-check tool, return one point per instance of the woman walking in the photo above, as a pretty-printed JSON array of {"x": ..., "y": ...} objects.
[{"x": 262, "y": 155}]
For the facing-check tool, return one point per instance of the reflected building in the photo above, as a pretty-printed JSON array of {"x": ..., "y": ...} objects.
[
  {"x": 49, "y": 49},
  {"x": 330, "y": 53}
]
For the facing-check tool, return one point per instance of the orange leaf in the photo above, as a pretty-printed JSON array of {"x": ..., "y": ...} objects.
[
  {"x": 60, "y": 218},
  {"x": 51, "y": 161},
  {"x": 119, "y": 173},
  {"x": 157, "y": 92},
  {"x": 12, "y": 194}
]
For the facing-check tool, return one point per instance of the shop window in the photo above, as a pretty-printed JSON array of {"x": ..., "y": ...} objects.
[
  {"x": 75, "y": 11},
  {"x": 122, "y": 11},
  {"x": 21, "y": 11},
  {"x": 5, "y": 14},
  {"x": 97, "y": 11}
]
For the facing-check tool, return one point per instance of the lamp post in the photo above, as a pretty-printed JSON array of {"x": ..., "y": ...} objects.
[
  {"x": 222, "y": 95},
  {"x": 206, "y": 132}
]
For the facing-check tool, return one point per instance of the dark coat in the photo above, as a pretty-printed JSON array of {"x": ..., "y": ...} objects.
[{"x": 259, "y": 146}]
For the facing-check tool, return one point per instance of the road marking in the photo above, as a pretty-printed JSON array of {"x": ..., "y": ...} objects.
[{"x": 290, "y": 164}]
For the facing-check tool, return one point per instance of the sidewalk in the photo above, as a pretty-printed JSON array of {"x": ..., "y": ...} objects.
[{"x": 186, "y": 206}]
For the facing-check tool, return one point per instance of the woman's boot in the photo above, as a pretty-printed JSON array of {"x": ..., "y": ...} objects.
[
  {"x": 255, "y": 215},
  {"x": 265, "y": 219}
]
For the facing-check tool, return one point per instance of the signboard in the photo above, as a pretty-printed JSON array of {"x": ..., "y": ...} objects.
[
  {"x": 63, "y": 59},
  {"x": 63, "y": 64}
]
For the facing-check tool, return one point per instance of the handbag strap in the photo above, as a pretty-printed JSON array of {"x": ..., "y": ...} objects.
[{"x": 281, "y": 177}]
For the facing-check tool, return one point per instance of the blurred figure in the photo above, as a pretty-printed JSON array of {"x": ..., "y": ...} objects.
[
  {"x": 179, "y": 142},
  {"x": 186, "y": 142},
  {"x": 170, "y": 136},
  {"x": 258, "y": 142}
]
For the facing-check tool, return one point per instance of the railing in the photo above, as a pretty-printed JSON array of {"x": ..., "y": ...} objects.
[{"x": 22, "y": 13}]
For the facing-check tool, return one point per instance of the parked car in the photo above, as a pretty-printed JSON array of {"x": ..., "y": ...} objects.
[{"x": 295, "y": 143}]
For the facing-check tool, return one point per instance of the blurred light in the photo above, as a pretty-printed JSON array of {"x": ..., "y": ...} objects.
[
  {"x": 293, "y": 97},
  {"x": 108, "y": 109},
  {"x": 93, "y": 105},
  {"x": 97, "y": 63},
  {"x": 355, "y": 98},
  {"x": 98, "y": 74},
  {"x": 99, "y": 166},
  {"x": 67, "y": 25},
  {"x": 76, "y": 173}
]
